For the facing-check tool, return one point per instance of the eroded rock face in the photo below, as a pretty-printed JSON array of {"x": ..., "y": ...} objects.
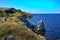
[
  {"x": 41, "y": 29},
  {"x": 23, "y": 19},
  {"x": 41, "y": 25}
]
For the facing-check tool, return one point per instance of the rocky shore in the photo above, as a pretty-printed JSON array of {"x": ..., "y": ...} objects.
[{"x": 14, "y": 25}]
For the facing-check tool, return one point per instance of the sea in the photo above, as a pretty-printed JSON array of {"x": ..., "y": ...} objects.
[{"x": 51, "y": 24}]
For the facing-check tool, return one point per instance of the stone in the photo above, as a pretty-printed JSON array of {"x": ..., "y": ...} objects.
[
  {"x": 9, "y": 37},
  {"x": 41, "y": 29},
  {"x": 23, "y": 19}
]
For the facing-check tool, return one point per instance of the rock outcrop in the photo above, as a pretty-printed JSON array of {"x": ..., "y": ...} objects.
[
  {"x": 24, "y": 19},
  {"x": 41, "y": 28},
  {"x": 14, "y": 27}
]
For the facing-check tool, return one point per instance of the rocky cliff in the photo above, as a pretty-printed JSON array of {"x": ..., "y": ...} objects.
[{"x": 14, "y": 25}]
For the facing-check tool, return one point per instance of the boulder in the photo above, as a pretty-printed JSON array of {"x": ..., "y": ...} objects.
[{"x": 9, "y": 37}]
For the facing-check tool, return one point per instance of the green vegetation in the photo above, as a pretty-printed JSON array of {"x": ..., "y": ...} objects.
[
  {"x": 10, "y": 22},
  {"x": 11, "y": 12}
]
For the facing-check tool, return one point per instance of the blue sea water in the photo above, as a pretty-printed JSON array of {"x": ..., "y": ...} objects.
[{"x": 51, "y": 24}]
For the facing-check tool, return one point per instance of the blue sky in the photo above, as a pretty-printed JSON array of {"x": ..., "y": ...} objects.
[{"x": 33, "y": 6}]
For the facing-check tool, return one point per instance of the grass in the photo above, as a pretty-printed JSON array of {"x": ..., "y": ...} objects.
[
  {"x": 19, "y": 31},
  {"x": 18, "y": 28}
]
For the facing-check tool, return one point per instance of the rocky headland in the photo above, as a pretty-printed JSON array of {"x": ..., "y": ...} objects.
[{"x": 14, "y": 25}]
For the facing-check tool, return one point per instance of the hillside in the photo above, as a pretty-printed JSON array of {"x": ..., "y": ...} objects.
[{"x": 10, "y": 24}]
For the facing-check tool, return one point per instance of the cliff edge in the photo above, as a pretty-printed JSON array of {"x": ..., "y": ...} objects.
[{"x": 13, "y": 28}]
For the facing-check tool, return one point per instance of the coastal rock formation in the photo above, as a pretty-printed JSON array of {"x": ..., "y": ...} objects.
[
  {"x": 41, "y": 28},
  {"x": 15, "y": 27},
  {"x": 23, "y": 19}
]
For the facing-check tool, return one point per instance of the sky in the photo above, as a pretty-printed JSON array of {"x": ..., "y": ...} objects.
[{"x": 33, "y": 6}]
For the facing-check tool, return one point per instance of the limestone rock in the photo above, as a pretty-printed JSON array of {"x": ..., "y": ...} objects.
[
  {"x": 41, "y": 29},
  {"x": 23, "y": 19}
]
